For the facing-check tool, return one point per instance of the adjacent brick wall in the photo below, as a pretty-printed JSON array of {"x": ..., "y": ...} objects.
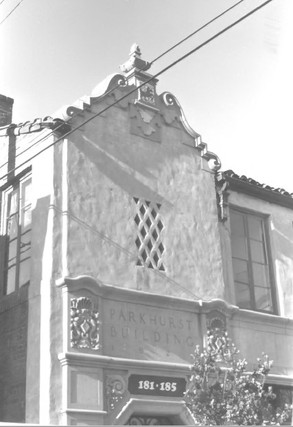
[{"x": 13, "y": 344}]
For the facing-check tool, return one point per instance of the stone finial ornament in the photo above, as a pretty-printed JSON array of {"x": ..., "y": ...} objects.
[{"x": 135, "y": 60}]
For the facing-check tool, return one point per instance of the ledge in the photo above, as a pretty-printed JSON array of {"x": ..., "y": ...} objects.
[
  {"x": 93, "y": 360},
  {"x": 84, "y": 411}
]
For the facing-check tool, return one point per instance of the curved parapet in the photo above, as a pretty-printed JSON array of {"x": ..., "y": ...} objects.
[
  {"x": 169, "y": 100},
  {"x": 106, "y": 87},
  {"x": 110, "y": 83}
]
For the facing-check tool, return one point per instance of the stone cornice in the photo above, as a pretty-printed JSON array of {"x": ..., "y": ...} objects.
[{"x": 93, "y": 360}]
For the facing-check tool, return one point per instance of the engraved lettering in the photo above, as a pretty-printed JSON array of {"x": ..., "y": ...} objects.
[
  {"x": 157, "y": 336},
  {"x": 189, "y": 342},
  {"x": 122, "y": 316},
  {"x": 131, "y": 316},
  {"x": 189, "y": 323},
  {"x": 125, "y": 332},
  {"x": 112, "y": 313},
  {"x": 113, "y": 332},
  {"x": 144, "y": 337},
  {"x": 171, "y": 322},
  {"x": 181, "y": 325},
  {"x": 153, "y": 320},
  {"x": 161, "y": 322},
  {"x": 176, "y": 339},
  {"x": 141, "y": 317}
]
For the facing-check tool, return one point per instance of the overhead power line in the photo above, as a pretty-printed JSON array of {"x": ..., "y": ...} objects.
[
  {"x": 152, "y": 62},
  {"x": 10, "y": 11},
  {"x": 127, "y": 252},
  {"x": 200, "y": 46},
  {"x": 197, "y": 31}
]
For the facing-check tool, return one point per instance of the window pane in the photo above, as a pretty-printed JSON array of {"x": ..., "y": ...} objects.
[
  {"x": 242, "y": 295},
  {"x": 10, "y": 284},
  {"x": 255, "y": 227},
  {"x": 239, "y": 247},
  {"x": 237, "y": 223},
  {"x": 240, "y": 269},
  {"x": 26, "y": 193},
  {"x": 260, "y": 275},
  {"x": 17, "y": 209},
  {"x": 263, "y": 298},
  {"x": 12, "y": 226},
  {"x": 12, "y": 251},
  {"x": 26, "y": 217},
  {"x": 257, "y": 251},
  {"x": 12, "y": 202}
]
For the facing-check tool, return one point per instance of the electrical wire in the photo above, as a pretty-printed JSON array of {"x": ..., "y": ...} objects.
[
  {"x": 143, "y": 84},
  {"x": 197, "y": 31},
  {"x": 147, "y": 66},
  {"x": 121, "y": 248},
  {"x": 10, "y": 11}
]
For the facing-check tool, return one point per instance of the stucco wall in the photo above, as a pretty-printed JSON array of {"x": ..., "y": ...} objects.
[
  {"x": 107, "y": 167},
  {"x": 13, "y": 338}
]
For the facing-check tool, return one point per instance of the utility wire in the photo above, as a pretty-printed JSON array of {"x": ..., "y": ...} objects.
[
  {"x": 197, "y": 31},
  {"x": 143, "y": 84},
  {"x": 121, "y": 248},
  {"x": 10, "y": 11},
  {"x": 2, "y": 2},
  {"x": 152, "y": 62}
]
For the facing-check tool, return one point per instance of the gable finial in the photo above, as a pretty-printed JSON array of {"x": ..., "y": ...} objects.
[{"x": 135, "y": 60}]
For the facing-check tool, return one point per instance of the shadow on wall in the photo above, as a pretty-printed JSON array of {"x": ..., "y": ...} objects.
[
  {"x": 19, "y": 330},
  {"x": 119, "y": 172},
  {"x": 39, "y": 231},
  {"x": 13, "y": 338},
  {"x": 39, "y": 220}
]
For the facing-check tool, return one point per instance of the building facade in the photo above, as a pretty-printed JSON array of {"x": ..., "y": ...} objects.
[{"x": 122, "y": 243}]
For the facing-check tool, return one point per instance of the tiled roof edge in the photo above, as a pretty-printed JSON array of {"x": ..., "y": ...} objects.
[
  {"x": 254, "y": 188},
  {"x": 36, "y": 125},
  {"x": 65, "y": 113}
]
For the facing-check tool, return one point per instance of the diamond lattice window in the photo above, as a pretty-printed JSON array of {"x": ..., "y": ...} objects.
[{"x": 148, "y": 240}]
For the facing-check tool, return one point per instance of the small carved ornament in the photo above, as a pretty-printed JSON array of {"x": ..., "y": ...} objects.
[
  {"x": 115, "y": 390},
  {"x": 84, "y": 324}
]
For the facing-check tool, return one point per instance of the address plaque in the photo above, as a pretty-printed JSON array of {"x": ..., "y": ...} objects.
[{"x": 156, "y": 385}]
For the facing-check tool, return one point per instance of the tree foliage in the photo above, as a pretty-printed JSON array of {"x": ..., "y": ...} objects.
[{"x": 222, "y": 391}]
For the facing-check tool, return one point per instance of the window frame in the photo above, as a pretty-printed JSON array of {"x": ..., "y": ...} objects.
[
  {"x": 16, "y": 184},
  {"x": 268, "y": 250}
]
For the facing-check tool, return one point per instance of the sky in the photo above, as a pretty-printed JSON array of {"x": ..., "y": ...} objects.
[{"x": 236, "y": 91}]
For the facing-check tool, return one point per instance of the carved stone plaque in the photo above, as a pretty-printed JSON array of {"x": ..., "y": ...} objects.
[{"x": 84, "y": 324}]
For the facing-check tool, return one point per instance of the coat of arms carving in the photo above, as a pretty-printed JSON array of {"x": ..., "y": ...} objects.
[{"x": 84, "y": 324}]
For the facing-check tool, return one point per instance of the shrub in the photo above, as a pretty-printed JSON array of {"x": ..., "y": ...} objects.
[{"x": 222, "y": 391}]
